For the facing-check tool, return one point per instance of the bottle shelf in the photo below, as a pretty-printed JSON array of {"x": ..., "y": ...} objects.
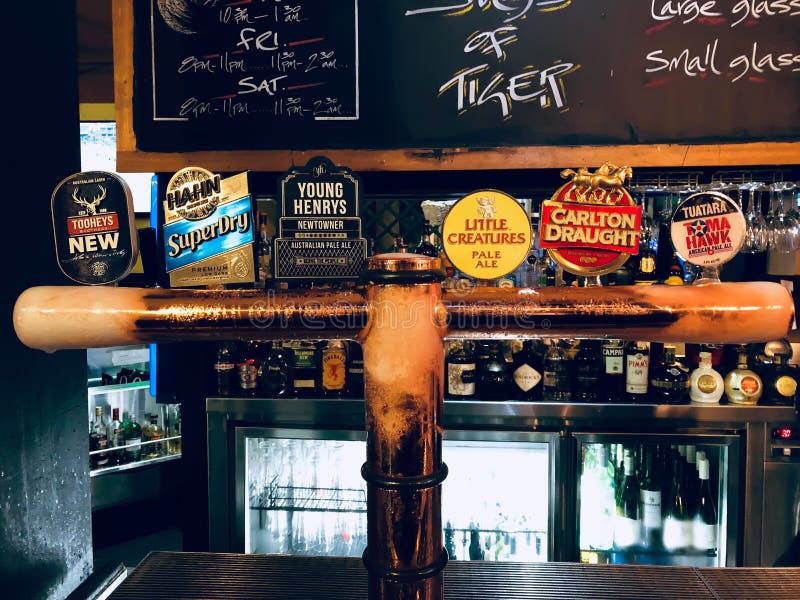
[
  {"x": 649, "y": 556},
  {"x": 138, "y": 463},
  {"x": 292, "y": 498},
  {"x": 97, "y": 390},
  {"x": 133, "y": 465}
]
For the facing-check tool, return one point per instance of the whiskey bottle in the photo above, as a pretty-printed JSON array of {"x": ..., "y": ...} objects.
[
  {"x": 225, "y": 370},
  {"x": 152, "y": 434},
  {"x": 669, "y": 381},
  {"x": 743, "y": 385},
  {"x": 588, "y": 365},
  {"x": 461, "y": 371},
  {"x": 247, "y": 368},
  {"x": 494, "y": 378},
  {"x": 612, "y": 380},
  {"x": 273, "y": 372},
  {"x": 427, "y": 243},
  {"x": 556, "y": 386},
  {"x": 705, "y": 383},
  {"x": 780, "y": 386},
  {"x": 355, "y": 370},
  {"x": 526, "y": 373},
  {"x": 98, "y": 441},
  {"x": 637, "y": 366},
  {"x": 333, "y": 365},
  {"x": 646, "y": 264},
  {"x": 305, "y": 368}
]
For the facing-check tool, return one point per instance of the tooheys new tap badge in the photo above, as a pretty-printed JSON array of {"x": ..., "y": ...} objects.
[
  {"x": 93, "y": 227},
  {"x": 591, "y": 225},
  {"x": 208, "y": 229}
]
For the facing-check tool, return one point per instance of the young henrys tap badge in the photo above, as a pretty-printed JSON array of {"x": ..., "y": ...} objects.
[
  {"x": 319, "y": 231},
  {"x": 93, "y": 226},
  {"x": 591, "y": 225},
  {"x": 487, "y": 234},
  {"x": 208, "y": 229}
]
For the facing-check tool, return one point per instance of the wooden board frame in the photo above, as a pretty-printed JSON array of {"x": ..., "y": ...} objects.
[{"x": 132, "y": 160}]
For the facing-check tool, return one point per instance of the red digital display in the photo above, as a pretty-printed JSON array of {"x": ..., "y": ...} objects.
[{"x": 784, "y": 433}]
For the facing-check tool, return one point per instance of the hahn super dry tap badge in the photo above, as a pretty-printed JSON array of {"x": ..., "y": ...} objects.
[
  {"x": 93, "y": 227},
  {"x": 591, "y": 225},
  {"x": 487, "y": 234},
  {"x": 208, "y": 229}
]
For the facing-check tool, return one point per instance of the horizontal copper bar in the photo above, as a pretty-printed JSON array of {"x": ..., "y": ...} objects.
[
  {"x": 714, "y": 313},
  {"x": 58, "y": 317}
]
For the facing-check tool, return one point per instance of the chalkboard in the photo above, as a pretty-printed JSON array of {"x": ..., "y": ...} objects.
[{"x": 303, "y": 74}]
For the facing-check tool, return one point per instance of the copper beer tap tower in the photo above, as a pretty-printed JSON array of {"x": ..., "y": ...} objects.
[{"x": 401, "y": 317}]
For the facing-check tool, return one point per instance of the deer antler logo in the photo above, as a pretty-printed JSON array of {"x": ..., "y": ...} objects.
[{"x": 91, "y": 206}]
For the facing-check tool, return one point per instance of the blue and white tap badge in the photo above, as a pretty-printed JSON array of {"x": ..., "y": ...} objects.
[{"x": 208, "y": 229}]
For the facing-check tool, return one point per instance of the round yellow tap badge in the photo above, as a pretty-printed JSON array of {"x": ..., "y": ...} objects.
[{"x": 487, "y": 234}]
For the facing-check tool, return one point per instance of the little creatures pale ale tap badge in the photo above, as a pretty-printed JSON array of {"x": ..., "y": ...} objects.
[
  {"x": 487, "y": 234},
  {"x": 93, "y": 227},
  {"x": 591, "y": 225}
]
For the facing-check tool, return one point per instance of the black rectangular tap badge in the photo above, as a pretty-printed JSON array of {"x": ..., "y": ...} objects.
[{"x": 319, "y": 232}]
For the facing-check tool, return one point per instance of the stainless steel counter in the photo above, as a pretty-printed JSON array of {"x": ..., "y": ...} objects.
[
  {"x": 528, "y": 416},
  {"x": 206, "y": 576}
]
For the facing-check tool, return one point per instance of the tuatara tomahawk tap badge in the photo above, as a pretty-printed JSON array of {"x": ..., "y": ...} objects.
[{"x": 591, "y": 224}]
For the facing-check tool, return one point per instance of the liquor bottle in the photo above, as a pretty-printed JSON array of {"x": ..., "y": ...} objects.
[
  {"x": 116, "y": 437},
  {"x": 588, "y": 366},
  {"x": 305, "y": 368},
  {"x": 619, "y": 475},
  {"x": 225, "y": 370},
  {"x": 676, "y": 274},
  {"x": 705, "y": 521},
  {"x": 461, "y": 371},
  {"x": 247, "y": 369},
  {"x": 264, "y": 249},
  {"x": 628, "y": 524},
  {"x": 152, "y": 433},
  {"x": 556, "y": 379},
  {"x": 669, "y": 380},
  {"x": 526, "y": 373},
  {"x": 98, "y": 440},
  {"x": 494, "y": 378},
  {"x": 541, "y": 270},
  {"x": 637, "y": 366},
  {"x": 475, "y": 550},
  {"x": 612, "y": 381},
  {"x": 133, "y": 438},
  {"x": 690, "y": 481},
  {"x": 646, "y": 264},
  {"x": 427, "y": 243},
  {"x": 650, "y": 495},
  {"x": 333, "y": 366},
  {"x": 449, "y": 542},
  {"x": 274, "y": 371},
  {"x": 678, "y": 521},
  {"x": 705, "y": 383},
  {"x": 743, "y": 385},
  {"x": 399, "y": 244},
  {"x": 780, "y": 385},
  {"x": 355, "y": 370},
  {"x": 598, "y": 507}
]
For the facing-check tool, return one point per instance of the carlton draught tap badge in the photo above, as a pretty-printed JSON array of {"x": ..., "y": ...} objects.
[
  {"x": 591, "y": 225},
  {"x": 208, "y": 229},
  {"x": 93, "y": 226},
  {"x": 487, "y": 234}
]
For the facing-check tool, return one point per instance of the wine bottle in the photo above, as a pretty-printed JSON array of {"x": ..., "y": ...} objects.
[
  {"x": 705, "y": 521},
  {"x": 650, "y": 494},
  {"x": 628, "y": 525},
  {"x": 677, "y": 524},
  {"x": 690, "y": 481}
]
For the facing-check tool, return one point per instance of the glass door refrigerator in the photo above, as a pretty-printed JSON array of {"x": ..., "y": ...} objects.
[
  {"x": 658, "y": 499},
  {"x": 300, "y": 491}
]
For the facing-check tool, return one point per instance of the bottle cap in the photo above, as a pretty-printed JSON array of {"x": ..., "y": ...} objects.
[{"x": 702, "y": 468}]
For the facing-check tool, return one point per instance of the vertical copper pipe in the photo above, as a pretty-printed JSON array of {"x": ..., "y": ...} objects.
[{"x": 403, "y": 358}]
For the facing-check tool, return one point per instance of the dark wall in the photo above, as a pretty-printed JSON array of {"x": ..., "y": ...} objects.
[{"x": 45, "y": 511}]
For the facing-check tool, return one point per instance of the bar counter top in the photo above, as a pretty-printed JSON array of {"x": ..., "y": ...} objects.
[{"x": 210, "y": 576}]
